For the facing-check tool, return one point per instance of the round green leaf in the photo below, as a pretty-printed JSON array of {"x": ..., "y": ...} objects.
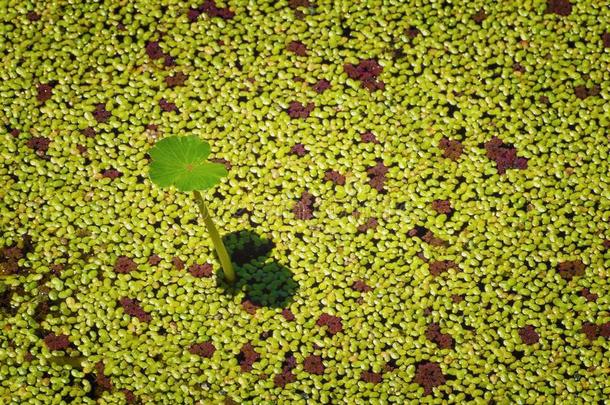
[{"x": 181, "y": 161}]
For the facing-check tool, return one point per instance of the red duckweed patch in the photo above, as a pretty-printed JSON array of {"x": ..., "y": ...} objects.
[
  {"x": 124, "y": 265},
  {"x": 154, "y": 259},
  {"x": 441, "y": 266},
  {"x": 299, "y": 3},
  {"x": 249, "y": 306},
  {"x": 589, "y": 296},
  {"x": 178, "y": 263},
  {"x": 313, "y": 364},
  {"x": 44, "y": 92},
  {"x": 333, "y": 323},
  {"x": 33, "y": 16},
  {"x": 130, "y": 397},
  {"x": 377, "y": 175},
  {"x": 299, "y": 150},
  {"x": 452, "y": 149},
  {"x": 368, "y": 137},
  {"x": 583, "y": 92},
  {"x": 320, "y": 86},
  {"x": 100, "y": 113},
  {"x": 335, "y": 177},
  {"x": 361, "y": 286},
  {"x": 429, "y": 375},
  {"x": 290, "y": 362},
  {"x": 288, "y": 315},
  {"x": 56, "y": 342},
  {"x": 39, "y": 144},
  {"x": 247, "y": 357},
  {"x": 299, "y": 110},
  {"x": 528, "y": 335},
  {"x": 103, "y": 381},
  {"x": 133, "y": 308},
  {"x": 176, "y": 80},
  {"x": 366, "y": 72},
  {"x": 604, "y": 330},
  {"x": 210, "y": 8},
  {"x": 443, "y": 340},
  {"x": 303, "y": 209},
  {"x": 559, "y": 7},
  {"x": 606, "y": 39},
  {"x": 456, "y": 298},
  {"x": 169, "y": 61},
  {"x": 286, "y": 376},
  {"x": 193, "y": 14},
  {"x": 570, "y": 269},
  {"x": 154, "y": 51},
  {"x": 592, "y": 331},
  {"x": 432, "y": 239},
  {"x": 442, "y": 206},
  {"x": 377, "y": 183},
  {"x": 167, "y": 106},
  {"x": 111, "y": 174},
  {"x": 201, "y": 270},
  {"x": 371, "y": 377},
  {"x": 89, "y": 132},
  {"x": 479, "y": 17},
  {"x": 12, "y": 253},
  {"x": 504, "y": 155},
  {"x": 205, "y": 349},
  {"x": 370, "y": 223},
  {"x": 298, "y": 48},
  {"x": 427, "y": 236}
]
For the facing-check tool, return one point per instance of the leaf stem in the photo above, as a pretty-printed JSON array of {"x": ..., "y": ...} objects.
[
  {"x": 223, "y": 256},
  {"x": 74, "y": 362}
]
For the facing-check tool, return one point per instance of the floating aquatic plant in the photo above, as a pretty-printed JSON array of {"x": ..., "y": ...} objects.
[{"x": 181, "y": 162}]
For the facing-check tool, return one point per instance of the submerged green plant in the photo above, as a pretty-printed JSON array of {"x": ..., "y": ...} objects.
[{"x": 181, "y": 161}]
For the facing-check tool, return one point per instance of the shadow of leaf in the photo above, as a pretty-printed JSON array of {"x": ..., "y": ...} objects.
[{"x": 264, "y": 281}]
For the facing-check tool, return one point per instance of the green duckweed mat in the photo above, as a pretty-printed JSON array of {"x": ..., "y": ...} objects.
[{"x": 417, "y": 202}]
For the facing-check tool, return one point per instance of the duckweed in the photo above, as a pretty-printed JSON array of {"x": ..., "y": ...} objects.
[{"x": 416, "y": 202}]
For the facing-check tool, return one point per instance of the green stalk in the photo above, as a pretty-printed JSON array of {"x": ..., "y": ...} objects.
[
  {"x": 223, "y": 256},
  {"x": 74, "y": 362}
]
